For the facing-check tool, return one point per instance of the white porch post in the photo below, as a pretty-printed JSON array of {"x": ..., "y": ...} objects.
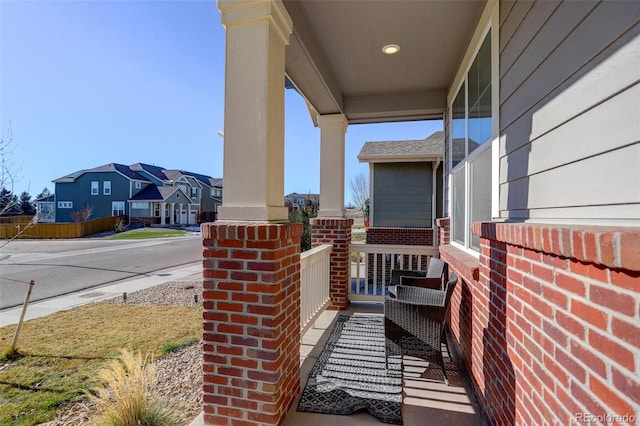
[
  {"x": 332, "y": 131},
  {"x": 163, "y": 213},
  {"x": 172, "y": 212},
  {"x": 257, "y": 33}
]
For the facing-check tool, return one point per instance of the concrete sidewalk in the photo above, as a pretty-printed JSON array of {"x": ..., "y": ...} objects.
[{"x": 192, "y": 271}]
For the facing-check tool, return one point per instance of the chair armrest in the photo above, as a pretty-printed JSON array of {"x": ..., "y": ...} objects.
[
  {"x": 424, "y": 282},
  {"x": 397, "y": 274},
  {"x": 420, "y": 296}
]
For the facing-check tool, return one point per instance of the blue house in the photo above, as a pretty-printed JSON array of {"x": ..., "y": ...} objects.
[{"x": 141, "y": 192}]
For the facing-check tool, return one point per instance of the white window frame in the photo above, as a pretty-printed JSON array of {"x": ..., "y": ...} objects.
[
  {"x": 113, "y": 208},
  {"x": 65, "y": 204},
  {"x": 138, "y": 185},
  {"x": 95, "y": 187},
  {"x": 140, "y": 205},
  {"x": 106, "y": 187},
  {"x": 488, "y": 22}
]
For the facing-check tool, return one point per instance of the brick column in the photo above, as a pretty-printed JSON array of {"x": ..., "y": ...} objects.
[
  {"x": 444, "y": 227},
  {"x": 337, "y": 232},
  {"x": 251, "y": 321}
]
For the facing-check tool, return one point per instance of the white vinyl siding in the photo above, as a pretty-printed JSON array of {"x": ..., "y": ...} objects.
[
  {"x": 140, "y": 205},
  {"x": 569, "y": 99}
]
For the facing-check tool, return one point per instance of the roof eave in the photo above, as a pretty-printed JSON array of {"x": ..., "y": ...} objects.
[{"x": 400, "y": 158}]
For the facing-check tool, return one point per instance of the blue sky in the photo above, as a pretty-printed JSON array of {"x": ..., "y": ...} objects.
[{"x": 86, "y": 83}]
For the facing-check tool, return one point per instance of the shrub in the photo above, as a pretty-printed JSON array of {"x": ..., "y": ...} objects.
[{"x": 125, "y": 400}]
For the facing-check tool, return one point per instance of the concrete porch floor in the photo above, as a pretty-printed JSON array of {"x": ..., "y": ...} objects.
[{"x": 426, "y": 399}]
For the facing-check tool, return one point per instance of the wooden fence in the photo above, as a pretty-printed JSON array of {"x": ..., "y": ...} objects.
[
  {"x": 59, "y": 230},
  {"x": 15, "y": 219}
]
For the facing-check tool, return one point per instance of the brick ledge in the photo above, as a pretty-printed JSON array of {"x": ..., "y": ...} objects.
[
  {"x": 466, "y": 264},
  {"x": 611, "y": 247}
]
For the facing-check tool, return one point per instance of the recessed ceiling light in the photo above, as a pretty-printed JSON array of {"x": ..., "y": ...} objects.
[{"x": 390, "y": 49}]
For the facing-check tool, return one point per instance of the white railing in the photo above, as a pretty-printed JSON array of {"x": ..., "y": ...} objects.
[
  {"x": 314, "y": 284},
  {"x": 371, "y": 266}
]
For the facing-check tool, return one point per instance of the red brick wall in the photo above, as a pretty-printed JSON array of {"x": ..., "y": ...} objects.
[
  {"x": 251, "y": 321},
  {"x": 548, "y": 321},
  {"x": 400, "y": 236},
  {"x": 337, "y": 232}
]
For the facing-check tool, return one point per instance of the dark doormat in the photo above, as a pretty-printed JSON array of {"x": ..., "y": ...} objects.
[{"x": 350, "y": 373}]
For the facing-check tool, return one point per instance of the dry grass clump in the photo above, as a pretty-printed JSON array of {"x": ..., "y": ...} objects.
[{"x": 125, "y": 400}]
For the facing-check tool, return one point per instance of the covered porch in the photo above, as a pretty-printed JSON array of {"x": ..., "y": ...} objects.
[
  {"x": 424, "y": 393},
  {"x": 546, "y": 312}
]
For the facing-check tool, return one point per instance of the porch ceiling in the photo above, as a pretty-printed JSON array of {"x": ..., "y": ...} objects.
[{"x": 335, "y": 55}]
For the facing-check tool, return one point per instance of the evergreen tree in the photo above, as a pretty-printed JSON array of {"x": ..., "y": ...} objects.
[
  {"x": 303, "y": 214},
  {"x": 45, "y": 193},
  {"x": 26, "y": 206},
  {"x": 5, "y": 201}
]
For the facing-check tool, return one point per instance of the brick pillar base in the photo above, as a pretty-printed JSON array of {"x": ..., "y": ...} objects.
[
  {"x": 251, "y": 321},
  {"x": 336, "y": 232}
]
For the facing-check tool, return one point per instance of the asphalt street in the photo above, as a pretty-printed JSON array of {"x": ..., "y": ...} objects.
[{"x": 63, "y": 266}]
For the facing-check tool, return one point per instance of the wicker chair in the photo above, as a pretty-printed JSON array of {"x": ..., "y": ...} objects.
[
  {"x": 432, "y": 278},
  {"x": 415, "y": 322}
]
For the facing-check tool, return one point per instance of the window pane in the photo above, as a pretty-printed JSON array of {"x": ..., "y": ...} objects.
[
  {"x": 480, "y": 121},
  {"x": 458, "y": 132},
  {"x": 480, "y": 96},
  {"x": 458, "y": 206},
  {"x": 480, "y": 191}
]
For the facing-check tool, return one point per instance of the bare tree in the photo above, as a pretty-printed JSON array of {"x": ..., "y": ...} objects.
[
  {"x": 8, "y": 172},
  {"x": 359, "y": 190},
  {"x": 83, "y": 214}
]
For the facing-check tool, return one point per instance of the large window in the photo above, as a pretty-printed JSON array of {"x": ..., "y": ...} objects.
[
  {"x": 117, "y": 208},
  {"x": 470, "y": 148}
]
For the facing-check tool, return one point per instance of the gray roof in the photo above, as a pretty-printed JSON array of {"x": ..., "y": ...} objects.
[
  {"x": 111, "y": 167},
  {"x": 433, "y": 146},
  {"x": 156, "y": 193}
]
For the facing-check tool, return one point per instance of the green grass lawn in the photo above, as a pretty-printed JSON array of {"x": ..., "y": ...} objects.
[
  {"x": 144, "y": 233},
  {"x": 59, "y": 355}
]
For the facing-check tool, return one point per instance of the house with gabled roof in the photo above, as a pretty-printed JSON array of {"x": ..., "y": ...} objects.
[
  {"x": 144, "y": 194},
  {"x": 405, "y": 184}
]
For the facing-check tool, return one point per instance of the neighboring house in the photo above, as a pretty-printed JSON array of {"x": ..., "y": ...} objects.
[
  {"x": 405, "y": 187},
  {"x": 542, "y": 205},
  {"x": 299, "y": 200},
  {"x": 46, "y": 208},
  {"x": 143, "y": 193},
  {"x": 405, "y": 181}
]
